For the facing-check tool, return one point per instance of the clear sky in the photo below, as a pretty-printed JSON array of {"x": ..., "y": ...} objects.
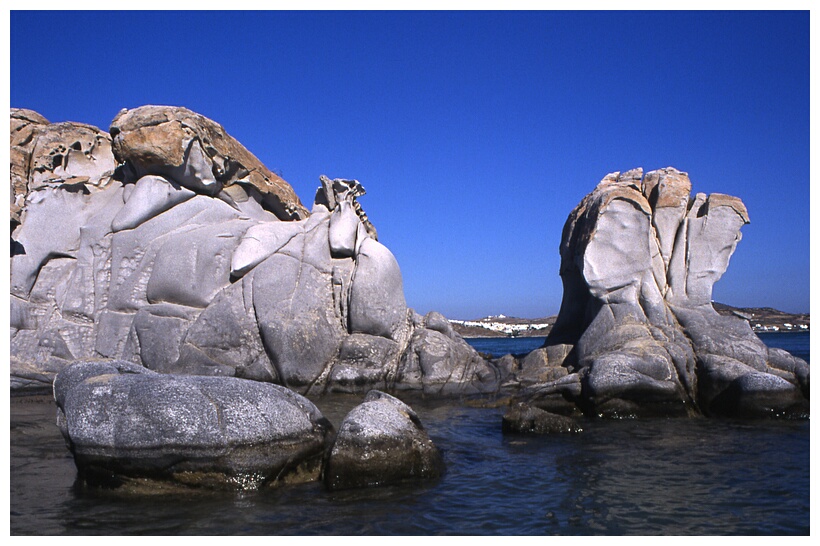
[{"x": 474, "y": 133}]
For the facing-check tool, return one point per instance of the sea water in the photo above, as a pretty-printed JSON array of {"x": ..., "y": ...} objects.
[{"x": 644, "y": 476}]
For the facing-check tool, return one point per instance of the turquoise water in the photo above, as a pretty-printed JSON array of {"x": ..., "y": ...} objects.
[{"x": 651, "y": 476}]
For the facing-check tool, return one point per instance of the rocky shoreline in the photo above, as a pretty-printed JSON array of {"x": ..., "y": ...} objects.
[{"x": 183, "y": 304}]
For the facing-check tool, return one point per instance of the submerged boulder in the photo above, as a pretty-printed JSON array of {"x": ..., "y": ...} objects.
[
  {"x": 381, "y": 442},
  {"x": 191, "y": 257},
  {"x": 128, "y": 426},
  {"x": 639, "y": 258},
  {"x": 522, "y": 418}
]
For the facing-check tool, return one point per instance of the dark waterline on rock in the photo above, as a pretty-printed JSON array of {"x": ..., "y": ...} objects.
[{"x": 651, "y": 476}]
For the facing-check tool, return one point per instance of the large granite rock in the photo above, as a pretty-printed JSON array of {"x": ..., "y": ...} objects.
[
  {"x": 130, "y": 427},
  {"x": 192, "y": 258},
  {"x": 636, "y": 328},
  {"x": 381, "y": 442}
]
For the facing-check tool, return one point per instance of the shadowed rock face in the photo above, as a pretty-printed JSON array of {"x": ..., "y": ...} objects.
[
  {"x": 637, "y": 329},
  {"x": 184, "y": 263}
]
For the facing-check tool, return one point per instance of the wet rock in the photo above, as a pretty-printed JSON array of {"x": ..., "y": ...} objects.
[
  {"x": 639, "y": 258},
  {"x": 381, "y": 442},
  {"x": 126, "y": 426},
  {"x": 525, "y": 419}
]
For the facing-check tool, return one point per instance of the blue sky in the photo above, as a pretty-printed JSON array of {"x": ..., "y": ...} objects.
[{"x": 474, "y": 133}]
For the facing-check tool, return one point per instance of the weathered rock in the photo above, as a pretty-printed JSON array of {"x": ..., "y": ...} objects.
[
  {"x": 524, "y": 419},
  {"x": 537, "y": 367},
  {"x": 126, "y": 425},
  {"x": 25, "y": 127},
  {"x": 381, "y": 442},
  {"x": 72, "y": 155},
  {"x": 197, "y": 153},
  {"x": 638, "y": 262},
  {"x": 159, "y": 268}
]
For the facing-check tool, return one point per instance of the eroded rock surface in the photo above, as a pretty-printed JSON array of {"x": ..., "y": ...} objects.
[
  {"x": 130, "y": 427},
  {"x": 196, "y": 152},
  {"x": 192, "y": 258},
  {"x": 71, "y": 156},
  {"x": 637, "y": 331}
]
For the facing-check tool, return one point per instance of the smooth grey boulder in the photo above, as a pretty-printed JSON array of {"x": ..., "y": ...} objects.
[
  {"x": 344, "y": 225},
  {"x": 639, "y": 258},
  {"x": 192, "y": 258},
  {"x": 381, "y": 442},
  {"x": 128, "y": 426},
  {"x": 261, "y": 241}
]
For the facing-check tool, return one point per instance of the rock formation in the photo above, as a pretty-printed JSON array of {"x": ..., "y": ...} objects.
[
  {"x": 133, "y": 429},
  {"x": 130, "y": 427},
  {"x": 198, "y": 154},
  {"x": 171, "y": 246},
  {"x": 636, "y": 332},
  {"x": 381, "y": 442}
]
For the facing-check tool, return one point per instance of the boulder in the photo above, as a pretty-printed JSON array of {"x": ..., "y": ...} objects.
[
  {"x": 381, "y": 442},
  {"x": 639, "y": 258},
  {"x": 129, "y": 427}
]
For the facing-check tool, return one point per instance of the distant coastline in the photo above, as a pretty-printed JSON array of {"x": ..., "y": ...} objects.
[{"x": 761, "y": 319}]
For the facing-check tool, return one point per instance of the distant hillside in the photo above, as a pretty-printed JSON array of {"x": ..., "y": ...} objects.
[
  {"x": 503, "y": 326},
  {"x": 766, "y": 319},
  {"x": 762, "y": 319}
]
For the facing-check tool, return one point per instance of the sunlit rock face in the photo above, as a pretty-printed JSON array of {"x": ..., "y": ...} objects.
[
  {"x": 197, "y": 153},
  {"x": 637, "y": 329},
  {"x": 169, "y": 245}
]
